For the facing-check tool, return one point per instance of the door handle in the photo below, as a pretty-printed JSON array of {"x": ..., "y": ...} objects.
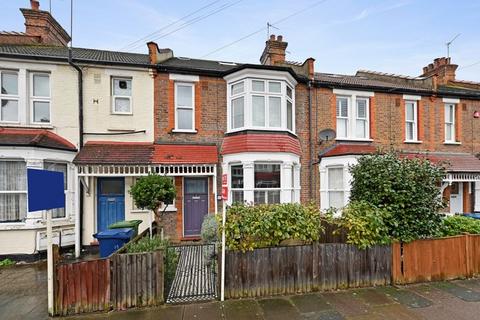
[{"x": 111, "y": 199}]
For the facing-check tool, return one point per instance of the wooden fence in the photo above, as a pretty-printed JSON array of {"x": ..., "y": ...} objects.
[
  {"x": 436, "y": 259},
  {"x": 115, "y": 283},
  {"x": 300, "y": 269}
]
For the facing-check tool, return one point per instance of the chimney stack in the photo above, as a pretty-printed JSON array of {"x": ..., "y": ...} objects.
[
  {"x": 274, "y": 52},
  {"x": 442, "y": 68},
  {"x": 158, "y": 55}
]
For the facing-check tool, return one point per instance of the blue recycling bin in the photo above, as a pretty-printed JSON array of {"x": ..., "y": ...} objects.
[
  {"x": 113, "y": 239},
  {"x": 473, "y": 215}
]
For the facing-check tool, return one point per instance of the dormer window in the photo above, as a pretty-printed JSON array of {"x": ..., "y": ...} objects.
[{"x": 261, "y": 104}]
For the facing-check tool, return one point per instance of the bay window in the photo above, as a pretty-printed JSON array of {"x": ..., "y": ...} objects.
[
  {"x": 13, "y": 191},
  {"x": 352, "y": 114},
  {"x": 450, "y": 122},
  {"x": 336, "y": 187},
  {"x": 261, "y": 104},
  {"x": 40, "y": 97},
  {"x": 236, "y": 175},
  {"x": 59, "y": 167},
  {"x": 9, "y": 96},
  {"x": 267, "y": 183},
  {"x": 122, "y": 95},
  {"x": 185, "y": 107},
  {"x": 411, "y": 121}
]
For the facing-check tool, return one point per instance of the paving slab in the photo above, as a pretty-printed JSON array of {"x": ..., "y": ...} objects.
[
  {"x": 324, "y": 315},
  {"x": 204, "y": 311},
  {"x": 460, "y": 292},
  {"x": 406, "y": 297},
  {"x": 396, "y": 312},
  {"x": 278, "y": 309},
  {"x": 347, "y": 303},
  {"x": 473, "y": 284},
  {"x": 310, "y": 303},
  {"x": 374, "y": 297},
  {"x": 242, "y": 309}
]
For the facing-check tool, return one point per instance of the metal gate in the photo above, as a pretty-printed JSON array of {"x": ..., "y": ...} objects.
[{"x": 196, "y": 274}]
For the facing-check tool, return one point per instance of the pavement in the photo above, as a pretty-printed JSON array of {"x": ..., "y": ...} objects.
[{"x": 23, "y": 296}]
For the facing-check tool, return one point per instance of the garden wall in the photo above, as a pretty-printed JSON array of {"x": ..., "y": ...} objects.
[{"x": 306, "y": 268}]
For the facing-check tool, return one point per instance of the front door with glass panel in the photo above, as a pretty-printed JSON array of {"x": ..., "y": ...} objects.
[
  {"x": 456, "y": 199},
  {"x": 195, "y": 205},
  {"x": 110, "y": 202}
]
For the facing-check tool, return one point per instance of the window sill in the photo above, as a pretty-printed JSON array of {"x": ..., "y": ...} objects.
[
  {"x": 121, "y": 113},
  {"x": 260, "y": 129},
  {"x": 354, "y": 139},
  {"x": 454, "y": 143},
  {"x": 184, "y": 131},
  {"x": 412, "y": 141},
  {"x": 19, "y": 125}
]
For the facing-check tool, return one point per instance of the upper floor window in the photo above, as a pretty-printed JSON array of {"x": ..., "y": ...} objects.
[
  {"x": 261, "y": 104},
  {"x": 9, "y": 96},
  {"x": 450, "y": 122},
  {"x": 411, "y": 121},
  {"x": 121, "y": 95},
  {"x": 40, "y": 97},
  {"x": 353, "y": 121},
  {"x": 184, "y": 107}
]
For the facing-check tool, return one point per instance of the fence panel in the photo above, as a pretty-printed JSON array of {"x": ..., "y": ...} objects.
[
  {"x": 82, "y": 287},
  {"x": 436, "y": 259},
  {"x": 137, "y": 279},
  {"x": 301, "y": 269}
]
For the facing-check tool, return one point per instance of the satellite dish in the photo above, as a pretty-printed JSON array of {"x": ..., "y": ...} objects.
[{"x": 327, "y": 135}]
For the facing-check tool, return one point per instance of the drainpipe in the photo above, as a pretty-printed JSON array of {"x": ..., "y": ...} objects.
[
  {"x": 311, "y": 145},
  {"x": 79, "y": 215}
]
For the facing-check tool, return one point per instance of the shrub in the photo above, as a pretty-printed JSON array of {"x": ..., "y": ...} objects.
[
  {"x": 151, "y": 191},
  {"x": 250, "y": 227},
  {"x": 365, "y": 224},
  {"x": 407, "y": 188},
  {"x": 456, "y": 225},
  {"x": 6, "y": 262},
  {"x": 209, "y": 229}
]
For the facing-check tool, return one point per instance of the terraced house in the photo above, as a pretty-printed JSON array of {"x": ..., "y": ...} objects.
[{"x": 113, "y": 117}]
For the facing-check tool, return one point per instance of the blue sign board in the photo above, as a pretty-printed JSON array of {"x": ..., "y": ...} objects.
[{"x": 45, "y": 190}]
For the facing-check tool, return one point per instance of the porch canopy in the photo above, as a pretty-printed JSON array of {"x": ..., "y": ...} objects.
[{"x": 123, "y": 159}]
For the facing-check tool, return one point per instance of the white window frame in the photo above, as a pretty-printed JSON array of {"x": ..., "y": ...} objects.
[
  {"x": 248, "y": 95},
  {"x": 11, "y": 96},
  {"x": 266, "y": 190},
  {"x": 352, "y": 97},
  {"x": 33, "y": 98},
  {"x": 114, "y": 97},
  {"x": 414, "y": 121},
  {"x": 16, "y": 192},
  {"x": 235, "y": 96},
  {"x": 452, "y": 122},
  {"x": 192, "y": 107},
  {"x": 344, "y": 189},
  {"x": 232, "y": 189}
]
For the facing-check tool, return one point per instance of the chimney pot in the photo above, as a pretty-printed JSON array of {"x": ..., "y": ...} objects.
[
  {"x": 280, "y": 38},
  {"x": 272, "y": 37},
  {"x": 35, "y": 5}
]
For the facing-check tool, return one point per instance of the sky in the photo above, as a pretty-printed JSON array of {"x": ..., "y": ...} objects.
[{"x": 393, "y": 36}]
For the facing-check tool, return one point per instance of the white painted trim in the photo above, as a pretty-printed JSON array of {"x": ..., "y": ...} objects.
[
  {"x": 363, "y": 94},
  {"x": 411, "y": 97},
  {"x": 451, "y": 100},
  {"x": 183, "y": 77},
  {"x": 261, "y": 74}
]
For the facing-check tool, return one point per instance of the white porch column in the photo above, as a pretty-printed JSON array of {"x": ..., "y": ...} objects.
[
  {"x": 248, "y": 181},
  {"x": 476, "y": 207},
  {"x": 323, "y": 188},
  {"x": 287, "y": 183},
  {"x": 296, "y": 183}
]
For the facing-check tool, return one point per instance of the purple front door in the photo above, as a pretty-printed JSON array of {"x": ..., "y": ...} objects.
[{"x": 195, "y": 205}]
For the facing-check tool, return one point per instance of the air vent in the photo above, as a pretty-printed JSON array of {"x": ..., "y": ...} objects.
[
  {"x": 223, "y": 63},
  {"x": 97, "y": 78}
]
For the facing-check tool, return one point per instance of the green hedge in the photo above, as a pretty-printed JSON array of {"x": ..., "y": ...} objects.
[
  {"x": 456, "y": 225},
  {"x": 249, "y": 227}
]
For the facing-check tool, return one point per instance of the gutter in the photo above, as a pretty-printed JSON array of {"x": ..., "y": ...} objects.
[{"x": 79, "y": 213}]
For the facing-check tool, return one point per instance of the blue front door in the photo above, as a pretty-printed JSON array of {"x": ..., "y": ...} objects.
[{"x": 110, "y": 202}]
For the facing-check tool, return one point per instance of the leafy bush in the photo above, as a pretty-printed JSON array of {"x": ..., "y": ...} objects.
[
  {"x": 209, "y": 229},
  {"x": 456, "y": 225},
  {"x": 6, "y": 262},
  {"x": 407, "y": 188},
  {"x": 250, "y": 227},
  {"x": 151, "y": 191},
  {"x": 147, "y": 244},
  {"x": 365, "y": 224}
]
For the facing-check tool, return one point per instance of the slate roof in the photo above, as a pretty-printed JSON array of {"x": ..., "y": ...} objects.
[
  {"x": 39, "y": 138},
  {"x": 126, "y": 153},
  {"x": 364, "y": 82},
  {"x": 199, "y": 64},
  {"x": 78, "y": 54}
]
